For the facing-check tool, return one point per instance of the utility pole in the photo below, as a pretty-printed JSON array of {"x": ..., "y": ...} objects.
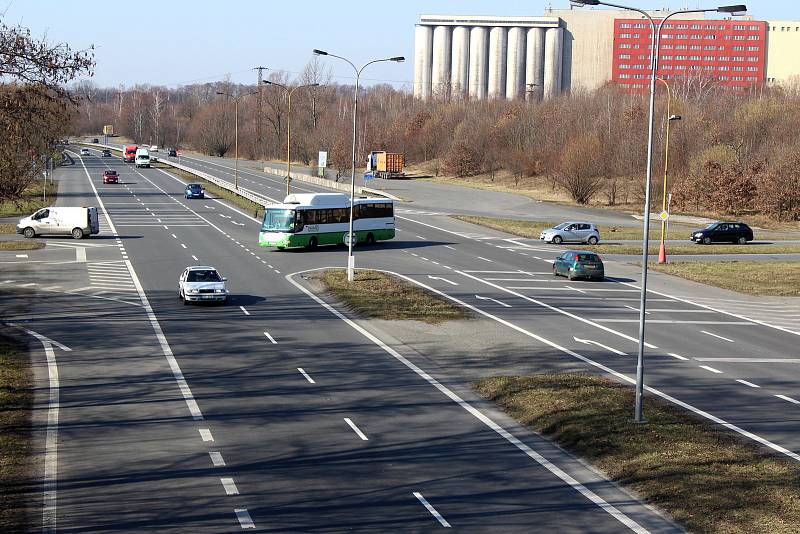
[
  {"x": 260, "y": 113},
  {"x": 119, "y": 101}
]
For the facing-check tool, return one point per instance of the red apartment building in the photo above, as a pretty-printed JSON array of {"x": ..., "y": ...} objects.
[{"x": 731, "y": 53}]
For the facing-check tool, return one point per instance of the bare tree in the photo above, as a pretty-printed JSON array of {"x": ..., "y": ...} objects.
[
  {"x": 315, "y": 72},
  {"x": 158, "y": 101}
]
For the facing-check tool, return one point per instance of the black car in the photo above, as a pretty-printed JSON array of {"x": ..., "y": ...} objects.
[
  {"x": 106, "y": 153},
  {"x": 172, "y": 153},
  {"x": 95, "y": 140},
  {"x": 723, "y": 232}
]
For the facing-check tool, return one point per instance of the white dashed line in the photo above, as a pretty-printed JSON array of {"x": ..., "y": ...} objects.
[
  {"x": 448, "y": 246},
  {"x": 431, "y": 509},
  {"x": 306, "y": 375},
  {"x": 173, "y": 235},
  {"x": 678, "y": 356},
  {"x": 244, "y": 310},
  {"x": 784, "y": 397},
  {"x": 355, "y": 429},
  {"x": 718, "y": 336},
  {"x": 707, "y": 368},
  {"x": 205, "y": 434},
  {"x": 194, "y": 258},
  {"x": 484, "y": 259},
  {"x": 244, "y": 518},
  {"x": 270, "y": 338},
  {"x": 748, "y": 384},
  {"x": 230, "y": 486},
  {"x": 184, "y": 246},
  {"x": 216, "y": 459}
]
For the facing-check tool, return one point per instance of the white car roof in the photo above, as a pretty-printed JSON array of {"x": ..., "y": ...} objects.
[{"x": 200, "y": 268}]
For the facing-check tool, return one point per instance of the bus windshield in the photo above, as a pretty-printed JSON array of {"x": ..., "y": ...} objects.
[{"x": 278, "y": 220}]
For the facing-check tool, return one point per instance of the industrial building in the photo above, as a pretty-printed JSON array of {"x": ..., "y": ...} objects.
[{"x": 479, "y": 57}]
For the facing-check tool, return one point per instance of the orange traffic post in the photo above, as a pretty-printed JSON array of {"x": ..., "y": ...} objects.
[{"x": 662, "y": 254}]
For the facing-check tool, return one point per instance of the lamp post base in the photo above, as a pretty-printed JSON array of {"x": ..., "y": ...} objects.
[
  {"x": 662, "y": 254},
  {"x": 351, "y": 265}
]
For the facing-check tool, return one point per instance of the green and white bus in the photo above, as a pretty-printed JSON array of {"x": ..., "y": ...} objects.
[{"x": 308, "y": 220}]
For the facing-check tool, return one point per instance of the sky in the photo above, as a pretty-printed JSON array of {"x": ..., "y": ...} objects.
[{"x": 178, "y": 42}]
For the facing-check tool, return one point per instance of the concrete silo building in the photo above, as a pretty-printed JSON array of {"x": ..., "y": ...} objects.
[{"x": 488, "y": 57}]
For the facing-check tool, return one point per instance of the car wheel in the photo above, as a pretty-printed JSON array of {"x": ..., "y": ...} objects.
[
  {"x": 312, "y": 243},
  {"x": 571, "y": 276},
  {"x": 593, "y": 240},
  {"x": 370, "y": 239},
  {"x": 29, "y": 232},
  {"x": 557, "y": 240},
  {"x": 77, "y": 233},
  {"x": 183, "y": 298},
  {"x": 706, "y": 240},
  {"x": 742, "y": 240},
  {"x": 555, "y": 271}
]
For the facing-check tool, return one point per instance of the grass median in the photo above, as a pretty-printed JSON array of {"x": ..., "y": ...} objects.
[
  {"x": 762, "y": 278},
  {"x": 693, "y": 249},
  {"x": 374, "y": 294},
  {"x": 708, "y": 479},
  {"x": 246, "y": 205},
  {"x": 16, "y": 403},
  {"x": 32, "y": 199},
  {"x": 10, "y": 228}
]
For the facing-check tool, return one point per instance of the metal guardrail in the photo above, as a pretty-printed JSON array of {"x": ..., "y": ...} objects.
[
  {"x": 311, "y": 179},
  {"x": 252, "y": 196}
]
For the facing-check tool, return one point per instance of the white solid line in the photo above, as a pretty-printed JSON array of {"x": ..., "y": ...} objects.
[
  {"x": 80, "y": 255},
  {"x": 541, "y": 460},
  {"x": 302, "y": 372},
  {"x": 419, "y": 237},
  {"x": 784, "y": 397},
  {"x": 22, "y": 255},
  {"x": 431, "y": 509},
  {"x": 245, "y": 311},
  {"x": 448, "y": 246},
  {"x": 205, "y": 434},
  {"x": 746, "y": 383},
  {"x": 216, "y": 458},
  {"x": 244, "y": 518},
  {"x": 484, "y": 259},
  {"x": 715, "y": 335},
  {"x": 678, "y": 356},
  {"x": 270, "y": 338},
  {"x": 184, "y": 246},
  {"x": 707, "y": 368},
  {"x": 229, "y": 485},
  {"x": 355, "y": 429},
  {"x": 194, "y": 258}
]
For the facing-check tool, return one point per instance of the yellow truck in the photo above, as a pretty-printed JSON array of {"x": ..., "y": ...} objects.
[{"x": 386, "y": 164}]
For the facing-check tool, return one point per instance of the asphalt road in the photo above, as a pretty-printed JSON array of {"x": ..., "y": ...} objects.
[{"x": 269, "y": 412}]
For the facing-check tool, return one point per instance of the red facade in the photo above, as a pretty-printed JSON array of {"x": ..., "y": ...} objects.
[{"x": 728, "y": 53}]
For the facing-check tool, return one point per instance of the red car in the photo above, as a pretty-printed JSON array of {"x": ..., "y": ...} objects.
[{"x": 110, "y": 177}]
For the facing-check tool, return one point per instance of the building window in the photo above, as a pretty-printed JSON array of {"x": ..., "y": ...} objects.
[
  {"x": 752, "y": 79},
  {"x": 708, "y": 67},
  {"x": 737, "y": 58},
  {"x": 752, "y": 38},
  {"x": 694, "y": 58},
  {"x": 696, "y": 36},
  {"x": 737, "y": 47},
  {"x": 695, "y": 26},
  {"x": 624, "y": 36},
  {"x": 682, "y": 26},
  {"x": 738, "y": 27},
  {"x": 752, "y": 59},
  {"x": 680, "y": 67},
  {"x": 723, "y": 58},
  {"x": 626, "y": 25},
  {"x": 695, "y": 47},
  {"x": 710, "y": 27},
  {"x": 681, "y": 47},
  {"x": 667, "y": 47},
  {"x": 624, "y": 56},
  {"x": 680, "y": 58},
  {"x": 710, "y": 37},
  {"x": 624, "y": 66},
  {"x": 667, "y": 36},
  {"x": 666, "y": 58},
  {"x": 722, "y": 67},
  {"x": 709, "y": 47},
  {"x": 754, "y": 28},
  {"x": 709, "y": 58},
  {"x": 737, "y": 68},
  {"x": 666, "y": 67},
  {"x": 752, "y": 49},
  {"x": 636, "y": 36},
  {"x": 738, "y": 37},
  {"x": 623, "y": 75},
  {"x": 681, "y": 36},
  {"x": 723, "y": 78},
  {"x": 625, "y": 45},
  {"x": 752, "y": 69}
]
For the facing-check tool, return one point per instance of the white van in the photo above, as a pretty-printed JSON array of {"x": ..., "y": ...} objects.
[
  {"x": 80, "y": 222},
  {"x": 142, "y": 158}
]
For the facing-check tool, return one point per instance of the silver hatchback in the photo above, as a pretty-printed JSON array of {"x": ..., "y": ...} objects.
[{"x": 571, "y": 232}]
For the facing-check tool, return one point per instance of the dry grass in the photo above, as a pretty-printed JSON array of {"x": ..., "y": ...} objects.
[
  {"x": 781, "y": 279},
  {"x": 706, "y": 478},
  {"x": 21, "y": 245},
  {"x": 8, "y": 228},
  {"x": 31, "y": 200},
  {"x": 378, "y": 295},
  {"x": 16, "y": 402},
  {"x": 690, "y": 249}
]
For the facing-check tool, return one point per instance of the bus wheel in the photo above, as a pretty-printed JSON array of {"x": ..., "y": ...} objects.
[
  {"x": 312, "y": 243},
  {"x": 280, "y": 248},
  {"x": 370, "y": 239}
]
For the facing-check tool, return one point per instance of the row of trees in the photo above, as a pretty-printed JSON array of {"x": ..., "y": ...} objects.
[
  {"x": 731, "y": 153},
  {"x": 35, "y": 108}
]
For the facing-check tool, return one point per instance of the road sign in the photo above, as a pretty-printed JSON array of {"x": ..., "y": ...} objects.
[
  {"x": 108, "y": 129},
  {"x": 322, "y": 160},
  {"x": 368, "y": 176},
  {"x": 663, "y": 215}
]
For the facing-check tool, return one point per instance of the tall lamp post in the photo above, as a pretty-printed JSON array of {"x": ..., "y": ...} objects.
[
  {"x": 351, "y": 236},
  {"x": 655, "y": 33},
  {"x": 236, "y": 132},
  {"x": 662, "y": 249},
  {"x": 289, "y": 126}
]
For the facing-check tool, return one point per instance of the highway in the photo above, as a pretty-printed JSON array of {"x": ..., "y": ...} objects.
[{"x": 275, "y": 413}]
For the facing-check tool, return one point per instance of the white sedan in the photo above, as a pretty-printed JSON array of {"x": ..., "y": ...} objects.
[
  {"x": 201, "y": 284},
  {"x": 84, "y": 152}
]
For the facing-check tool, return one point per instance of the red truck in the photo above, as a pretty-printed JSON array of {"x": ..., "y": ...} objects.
[{"x": 129, "y": 153}]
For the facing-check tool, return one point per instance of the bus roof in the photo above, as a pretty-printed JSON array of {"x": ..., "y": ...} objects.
[{"x": 323, "y": 200}]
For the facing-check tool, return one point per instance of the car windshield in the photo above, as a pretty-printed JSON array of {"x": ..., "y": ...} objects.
[
  {"x": 203, "y": 276},
  {"x": 587, "y": 257},
  {"x": 193, "y": 187},
  {"x": 711, "y": 226},
  {"x": 561, "y": 226},
  {"x": 278, "y": 220}
]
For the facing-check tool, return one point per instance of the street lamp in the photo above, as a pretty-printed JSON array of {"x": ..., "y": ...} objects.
[
  {"x": 351, "y": 237},
  {"x": 655, "y": 34},
  {"x": 289, "y": 127},
  {"x": 236, "y": 132},
  {"x": 662, "y": 250}
]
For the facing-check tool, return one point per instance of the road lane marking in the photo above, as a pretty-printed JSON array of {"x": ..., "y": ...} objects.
[
  {"x": 746, "y": 383},
  {"x": 443, "y": 280},
  {"x": 431, "y": 509},
  {"x": 493, "y": 300},
  {"x": 591, "y": 342},
  {"x": 244, "y": 518},
  {"x": 22, "y": 255},
  {"x": 356, "y": 429},
  {"x": 173, "y": 235},
  {"x": 302, "y": 372},
  {"x": 244, "y": 310},
  {"x": 184, "y": 246},
  {"x": 216, "y": 458},
  {"x": 205, "y": 434},
  {"x": 717, "y": 336},
  {"x": 784, "y": 397},
  {"x": 194, "y": 258},
  {"x": 678, "y": 356},
  {"x": 80, "y": 255},
  {"x": 502, "y": 432},
  {"x": 677, "y": 321},
  {"x": 484, "y": 259},
  {"x": 230, "y": 486},
  {"x": 448, "y": 246},
  {"x": 750, "y": 360},
  {"x": 272, "y": 339},
  {"x": 420, "y": 237},
  {"x": 707, "y": 368}
]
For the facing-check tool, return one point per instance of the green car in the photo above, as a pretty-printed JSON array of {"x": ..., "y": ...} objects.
[{"x": 579, "y": 264}]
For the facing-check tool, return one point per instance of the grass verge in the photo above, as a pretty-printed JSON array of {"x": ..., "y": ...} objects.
[
  {"x": 707, "y": 479},
  {"x": 31, "y": 200},
  {"x": 246, "y": 205},
  {"x": 21, "y": 245},
  {"x": 8, "y": 228},
  {"x": 378, "y": 295},
  {"x": 16, "y": 403},
  {"x": 780, "y": 279},
  {"x": 609, "y": 248}
]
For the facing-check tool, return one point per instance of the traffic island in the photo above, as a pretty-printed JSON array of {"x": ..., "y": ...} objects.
[
  {"x": 16, "y": 462},
  {"x": 16, "y": 244},
  {"x": 762, "y": 278},
  {"x": 378, "y": 295},
  {"x": 708, "y": 479}
]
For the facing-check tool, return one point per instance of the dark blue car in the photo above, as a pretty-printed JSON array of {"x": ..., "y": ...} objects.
[{"x": 194, "y": 191}]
